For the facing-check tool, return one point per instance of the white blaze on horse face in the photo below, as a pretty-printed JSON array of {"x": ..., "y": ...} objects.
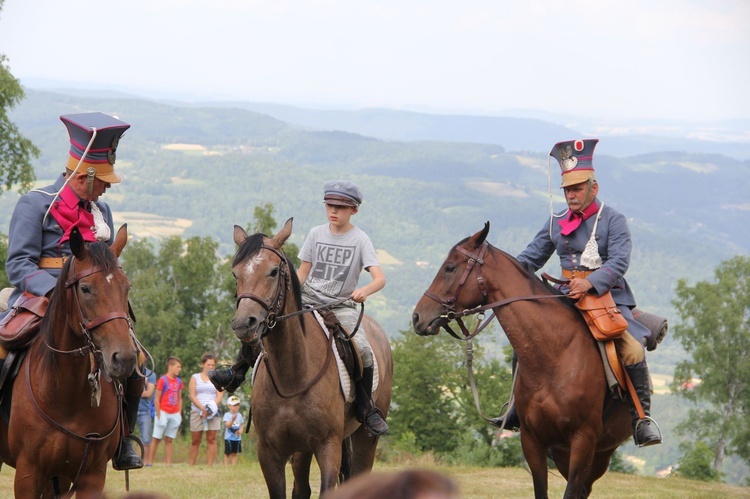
[
  {"x": 110, "y": 277},
  {"x": 252, "y": 266}
]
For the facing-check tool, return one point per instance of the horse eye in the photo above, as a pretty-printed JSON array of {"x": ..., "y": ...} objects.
[
  {"x": 275, "y": 272},
  {"x": 450, "y": 268},
  {"x": 85, "y": 288}
]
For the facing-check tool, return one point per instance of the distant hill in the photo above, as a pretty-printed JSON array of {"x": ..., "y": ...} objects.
[
  {"x": 514, "y": 133},
  {"x": 197, "y": 170}
]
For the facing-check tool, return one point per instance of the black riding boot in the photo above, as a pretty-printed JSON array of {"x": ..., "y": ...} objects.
[
  {"x": 644, "y": 433},
  {"x": 126, "y": 458},
  {"x": 509, "y": 420},
  {"x": 370, "y": 415},
  {"x": 231, "y": 379}
]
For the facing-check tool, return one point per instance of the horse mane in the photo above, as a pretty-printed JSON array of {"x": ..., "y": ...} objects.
[
  {"x": 59, "y": 308},
  {"x": 251, "y": 246},
  {"x": 538, "y": 285}
]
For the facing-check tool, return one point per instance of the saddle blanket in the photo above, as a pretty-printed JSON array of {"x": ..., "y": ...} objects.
[{"x": 347, "y": 386}]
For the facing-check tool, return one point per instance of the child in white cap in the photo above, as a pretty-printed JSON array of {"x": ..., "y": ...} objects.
[{"x": 233, "y": 423}]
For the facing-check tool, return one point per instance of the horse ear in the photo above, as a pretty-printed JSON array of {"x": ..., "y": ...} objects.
[
  {"x": 77, "y": 244},
  {"x": 121, "y": 239},
  {"x": 239, "y": 235},
  {"x": 478, "y": 239},
  {"x": 281, "y": 236}
]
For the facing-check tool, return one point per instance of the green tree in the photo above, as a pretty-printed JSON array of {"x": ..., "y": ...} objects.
[
  {"x": 180, "y": 296},
  {"x": 433, "y": 402},
  {"x": 265, "y": 223},
  {"x": 4, "y": 282},
  {"x": 714, "y": 330},
  {"x": 16, "y": 151},
  {"x": 696, "y": 462}
]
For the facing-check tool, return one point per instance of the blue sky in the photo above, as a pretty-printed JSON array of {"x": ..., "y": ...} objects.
[{"x": 672, "y": 59}]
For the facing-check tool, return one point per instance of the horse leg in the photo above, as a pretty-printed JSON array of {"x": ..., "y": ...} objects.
[
  {"x": 27, "y": 484},
  {"x": 599, "y": 467},
  {"x": 328, "y": 455},
  {"x": 582, "y": 447},
  {"x": 272, "y": 466},
  {"x": 536, "y": 455},
  {"x": 301, "y": 469},
  {"x": 91, "y": 484},
  {"x": 363, "y": 451}
]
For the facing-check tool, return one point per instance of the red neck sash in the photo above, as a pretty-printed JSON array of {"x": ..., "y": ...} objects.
[
  {"x": 69, "y": 212},
  {"x": 573, "y": 219}
]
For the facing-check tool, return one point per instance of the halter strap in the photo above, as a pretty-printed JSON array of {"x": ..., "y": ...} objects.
[{"x": 475, "y": 262}]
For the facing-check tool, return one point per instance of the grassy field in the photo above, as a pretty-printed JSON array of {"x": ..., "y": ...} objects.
[{"x": 245, "y": 480}]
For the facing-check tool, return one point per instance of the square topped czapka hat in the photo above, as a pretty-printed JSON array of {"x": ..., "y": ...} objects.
[
  {"x": 576, "y": 160},
  {"x": 100, "y": 134},
  {"x": 343, "y": 192}
]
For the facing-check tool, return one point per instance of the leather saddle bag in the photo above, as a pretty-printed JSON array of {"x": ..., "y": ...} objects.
[
  {"x": 22, "y": 322},
  {"x": 603, "y": 317}
]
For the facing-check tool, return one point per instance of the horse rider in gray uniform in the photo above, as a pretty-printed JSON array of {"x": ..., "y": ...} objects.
[
  {"x": 43, "y": 219},
  {"x": 594, "y": 245}
]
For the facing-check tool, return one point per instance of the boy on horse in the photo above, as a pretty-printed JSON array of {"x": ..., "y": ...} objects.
[
  {"x": 593, "y": 243},
  {"x": 333, "y": 256},
  {"x": 43, "y": 219}
]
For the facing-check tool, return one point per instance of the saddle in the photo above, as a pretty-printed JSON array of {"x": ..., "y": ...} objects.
[
  {"x": 21, "y": 325},
  {"x": 7, "y": 377},
  {"x": 348, "y": 352}
]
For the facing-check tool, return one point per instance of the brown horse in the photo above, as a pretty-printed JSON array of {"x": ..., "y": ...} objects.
[
  {"x": 561, "y": 391},
  {"x": 58, "y": 437},
  {"x": 298, "y": 406}
]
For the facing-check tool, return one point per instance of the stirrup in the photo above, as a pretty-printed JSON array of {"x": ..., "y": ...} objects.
[
  {"x": 507, "y": 421},
  {"x": 654, "y": 439},
  {"x": 135, "y": 461},
  {"x": 378, "y": 426}
]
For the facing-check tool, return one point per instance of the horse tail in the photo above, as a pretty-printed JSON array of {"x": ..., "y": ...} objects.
[{"x": 345, "y": 471}]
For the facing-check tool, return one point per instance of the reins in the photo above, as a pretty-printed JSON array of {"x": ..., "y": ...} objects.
[
  {"x": 275, "y": 305},
  {"x": 86, "y": 326},
  {"x": 475, "y": 262}
]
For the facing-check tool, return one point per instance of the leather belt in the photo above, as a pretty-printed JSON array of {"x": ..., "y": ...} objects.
[
  {"x": 576, "y": 274},
  {"x": 51, "y": 262}
]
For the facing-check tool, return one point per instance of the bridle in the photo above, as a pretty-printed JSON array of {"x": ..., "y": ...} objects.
[
  {"x": 86, "y": 327},
  {"x": 71, "y": 283},
  {"x": 475, "y": 262},
  {"x": 274, "y": 306}
]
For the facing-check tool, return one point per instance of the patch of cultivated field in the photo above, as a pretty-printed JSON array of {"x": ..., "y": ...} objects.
[{"x": 149, "y": 225}]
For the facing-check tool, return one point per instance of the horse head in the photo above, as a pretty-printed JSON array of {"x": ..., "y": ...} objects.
[
  {"x": 96, "y": 291},
  {"x": 263, "y": 274},
  {"x": 452, "y": 290}
]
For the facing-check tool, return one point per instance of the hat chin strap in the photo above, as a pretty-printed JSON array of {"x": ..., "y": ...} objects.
[{"x": 90, "y": 174}]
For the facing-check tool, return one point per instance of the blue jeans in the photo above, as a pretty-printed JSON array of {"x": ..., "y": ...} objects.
[{"x": 145, "y": 426}]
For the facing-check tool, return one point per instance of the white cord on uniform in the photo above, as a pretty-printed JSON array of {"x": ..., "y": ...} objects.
[{"x": 83, "y": 156}]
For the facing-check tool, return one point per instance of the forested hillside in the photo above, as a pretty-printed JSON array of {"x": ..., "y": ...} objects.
[
  {"x": 197, "y": 171},
  {"x": 687, "y": 211}
]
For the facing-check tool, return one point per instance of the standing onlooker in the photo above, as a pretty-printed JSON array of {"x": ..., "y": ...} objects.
[
  {"x": 146, "y": 413},
  {"x": 233, "y": 421},
  {"x": 168, "y": 405},
  {"x": 204, "y": 409}
]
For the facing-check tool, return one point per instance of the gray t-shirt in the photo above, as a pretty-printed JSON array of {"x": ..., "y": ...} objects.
[{"x": 336, "y": 261}]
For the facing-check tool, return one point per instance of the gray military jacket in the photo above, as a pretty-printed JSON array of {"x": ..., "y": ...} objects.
[
  {"x": 31, "y": 239},
  {"x": 615, "y": 245}
]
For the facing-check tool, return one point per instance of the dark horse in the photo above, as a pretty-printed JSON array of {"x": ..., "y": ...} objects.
[
  {"x": 561, "y": 391},
  {"x": 58, "y": 437},
  {"x": 298, "y": 406}
]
